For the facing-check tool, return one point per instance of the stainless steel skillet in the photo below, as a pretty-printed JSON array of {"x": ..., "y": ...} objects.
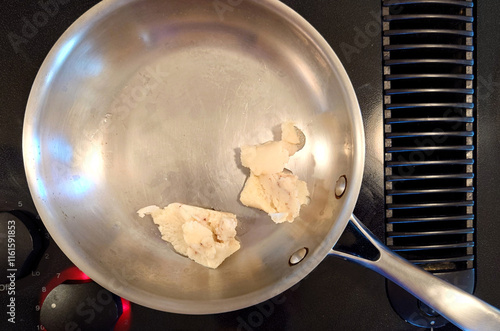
[{"x": 146, "y": 102}]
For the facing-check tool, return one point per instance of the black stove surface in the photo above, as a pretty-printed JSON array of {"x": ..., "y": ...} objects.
[{"x": 336, "y": 295}]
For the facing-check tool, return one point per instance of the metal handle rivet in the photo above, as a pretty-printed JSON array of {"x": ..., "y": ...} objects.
[
  {"x": 298, "y": 256},
  {"x": 340, "y": 186}
]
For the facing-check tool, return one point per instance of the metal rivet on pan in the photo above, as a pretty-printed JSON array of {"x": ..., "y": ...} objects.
[
  {"x": 298, "y": 256},
  {"x": 340, "y": 186}
]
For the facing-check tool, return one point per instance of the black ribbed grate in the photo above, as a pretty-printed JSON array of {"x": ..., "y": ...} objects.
[
  {"x": 429, "y": 124},
  {"x": 429, "y": 132}
]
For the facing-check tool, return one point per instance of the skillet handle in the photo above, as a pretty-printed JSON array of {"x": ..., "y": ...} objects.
[{"x": 459, "y": 307}]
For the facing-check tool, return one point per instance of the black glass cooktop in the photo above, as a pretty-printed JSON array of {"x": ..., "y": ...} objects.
[{"x": 336, "y": 295}]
